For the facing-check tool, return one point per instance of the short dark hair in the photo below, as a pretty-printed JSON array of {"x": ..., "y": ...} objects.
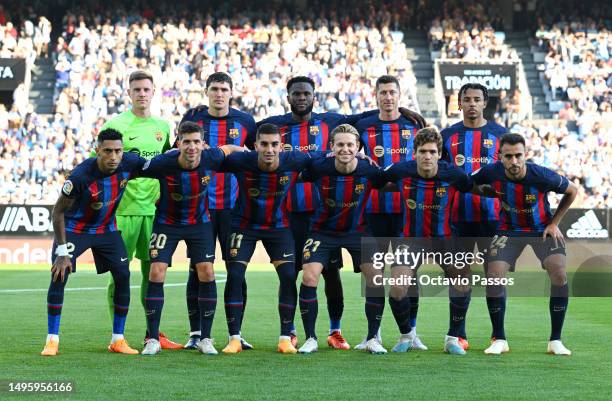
[
  {"x": 109, "y": 134},
  {"x": 428, "y": 135},
  {"x": 475, "y": 86},
  {"x": 189, "y": 127},
  {"x": 219, "y": 77},
  {"x": 386, "y": 79},
  {"x": 267, "y": 129},
  {"x": 300, "y": 79},
  {"x": 139, "y": 75},
  {"x": 511, "y": 139}
]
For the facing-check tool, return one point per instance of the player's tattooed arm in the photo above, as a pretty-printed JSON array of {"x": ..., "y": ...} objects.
[
  {"x": 62, "y": 263},
  {"x": 485, "y": 190},
  {"x": 229, "y": 149},
  {"x": 553, "y": 228}
]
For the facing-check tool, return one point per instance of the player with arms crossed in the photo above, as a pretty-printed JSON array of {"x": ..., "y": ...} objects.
[
  {"x": 182, "y": 214},
  {"x": 388, "y": 137},
  {"x": 264, "y": 178},
  {"x": 343, "y": 185},
  {"x": 428, "y": 187},
  {"x": 146, "y": 136},
  {"x": 84, "y": 218},
  {"x": 526, "y": 219},
  {"x": 221, "y": 125}
]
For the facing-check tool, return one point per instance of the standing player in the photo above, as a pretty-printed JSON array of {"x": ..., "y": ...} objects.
[
  {"x": 84, "y": 218},
  {"x": 306, "y": 131},
  {"x": 182, "y": 214},
  {"x": 526, "y": 219},
  {"x": 388, "y": 137},
  {"x": 471, "y": 144},
  {"x": 343, "y": 186},
  {"x": 427, "y": 186},
  {"x": 222, "y": 125},
  {"x": 147, "y": 136},
  {"x": 264, "y": 178}
]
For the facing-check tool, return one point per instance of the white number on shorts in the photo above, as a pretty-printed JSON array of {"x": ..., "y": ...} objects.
[
  {"x": 309, "y": 242},
  {"x": 499, "y": 242},
  {"x": 70, "y": 247},
  {"x": 235, "y": 240},
  {"x": 158, "y": 241}
]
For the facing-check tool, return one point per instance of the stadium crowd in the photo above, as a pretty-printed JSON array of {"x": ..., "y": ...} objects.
[{"x": 95, "y": 53}]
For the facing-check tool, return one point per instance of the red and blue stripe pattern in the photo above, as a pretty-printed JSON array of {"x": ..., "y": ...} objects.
[
  {"x": 387, "y": 143},
  {"x": 94, "y": 213},
  {"x": 183, "y": 197},
  {"x": 525, "y": 209}
]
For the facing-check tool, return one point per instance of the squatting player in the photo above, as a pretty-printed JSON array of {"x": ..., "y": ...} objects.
[
  {"x": 222, "y": 125},
  {"x": 526, "y": 219},
  {"x": 84, "y": 218},
  {"x": 388, "y": 137},
  {"x": 182, "y": 214},
  {"x": 264, "y": 178},
  {"x": 147, "y": 136},
  {"x": 343, "y": 186}
]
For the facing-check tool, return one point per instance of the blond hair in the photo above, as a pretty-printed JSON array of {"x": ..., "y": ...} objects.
[{"x": 344, "y": 129}]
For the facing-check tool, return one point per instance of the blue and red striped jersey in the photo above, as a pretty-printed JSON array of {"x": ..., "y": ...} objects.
[
  {"x": 470, "y": 149},
  {"x": 261, "y": 197},
  {"x": 427, "y": 201},
  {"x": 97, "y": 195},
  {"x": 524, "y": 203},
  {"x": 386, "y": 142},
  {"x": 233, "y": 129},
  {"x": 308, "y": 136},
  {"x": 183, "y": 193},
  {"x": 342, "y": 196}
]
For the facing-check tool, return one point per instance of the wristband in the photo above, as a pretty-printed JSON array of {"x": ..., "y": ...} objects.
[{"x": 62, "y": 250}]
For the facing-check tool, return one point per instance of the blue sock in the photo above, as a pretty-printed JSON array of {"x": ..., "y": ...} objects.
[
  {"x": 55, "y": 301},
  {"x": 557, "y": 307},
  {"x": 154, "y": 303},
  {"x": 207, "y": 302},
  {"x": 309, "y": 307},
  {"x": 287, "y": 296},
  {"x": 233, "y": 296},
  {"x": 374, "y": 307}
]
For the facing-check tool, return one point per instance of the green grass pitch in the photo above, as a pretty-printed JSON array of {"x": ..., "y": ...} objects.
[{"x": 527, "y": 372}]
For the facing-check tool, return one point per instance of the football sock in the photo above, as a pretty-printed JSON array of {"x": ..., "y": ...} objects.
[
  {"x": 207, "y": 302},
  {"x": 154, "y": 303},
  {"x": 374, "y": 307},
  {"x": 496, "y": 303},
  {"x": 121, "y": 299},
  {"x": 287, "y": 296},
  {"x": 557, "y": 307},
  {"x": 145, "y": 268},
  {"x": 55, "y": 301},
  {"x": 335, "y": 297},
  {"x": 233, "y": 296},
  {"x": 191, "y": 293},
  {"x": 401, "y": 312},
  {"x": 458, "y": 306},
  {"x": 413, "y": 293},
  {"x": 309, "y": 308},
  {"x": 244, "y": 300}
]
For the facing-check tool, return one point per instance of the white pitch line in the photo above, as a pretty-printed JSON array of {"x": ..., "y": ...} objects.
[{"x": 15, "y": 291}]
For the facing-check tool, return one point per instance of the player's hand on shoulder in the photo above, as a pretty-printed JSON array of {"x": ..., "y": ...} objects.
[
  {"x": 413, "y": 116},
  {"x": 196, "y": 110}
]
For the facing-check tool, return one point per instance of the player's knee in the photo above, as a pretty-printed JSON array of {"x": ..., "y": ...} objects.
[
  {"x": 310, "y": 277},
  {"x": 205, "y": 271},
  {"x": 497, "y": 269},
  {"x": 398, "y": 292},
  {"x": 158, "y": 272},
  {"x": 121, "y": 277}
]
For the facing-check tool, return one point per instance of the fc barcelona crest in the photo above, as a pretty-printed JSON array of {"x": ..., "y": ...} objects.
[
  {"x": 314, "y": 130},
  {"x": 233, "y": 252},
  {"x": 441, "y": 192},
  {"x": 306, "y": 255},
  {"x": 284, "y": 180},
  {"x": 123, "y": 183},
  {"x": 530, "y": 198},
  {"x": 359, "y": 188},
  {"x": 234, "y": 133},
  {"x": 488, "y": 143},
  {"x": 154, "y": 253},
  {"x": 159, "y": 136},
  {"x": 406, "y": 133},
  {"x": 176, "y": 196},
  {"x": 205, "y": 180}
]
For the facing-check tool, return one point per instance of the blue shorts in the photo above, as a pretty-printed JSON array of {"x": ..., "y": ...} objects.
[
  {"x": 198, "y": 237},
  {"x": 108, "y": 250},
  {"x": 278, "y": 243},
  {"x": 320, "y": 246},
  {"x": 508, "y": 248}
]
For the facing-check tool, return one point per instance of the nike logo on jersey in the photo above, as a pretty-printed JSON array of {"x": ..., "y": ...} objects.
[
  {"x": 456, "y": 144},
  {"x": 209, "y": 313},
  {"x": 131, "y": 138},
  {"x": 174, "y": 184},
  {"x": 93, "y": 194},
  {"x": 332, "y": 261},
  {"x": 251, "y": 179},
  {"x": 286, "y": 255},
  {"x": 374, "y": 135},
  {"x": 124, "y": 259},
  {"x": 209, "y": 256},
  {"x": 327, "y": 187}
]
